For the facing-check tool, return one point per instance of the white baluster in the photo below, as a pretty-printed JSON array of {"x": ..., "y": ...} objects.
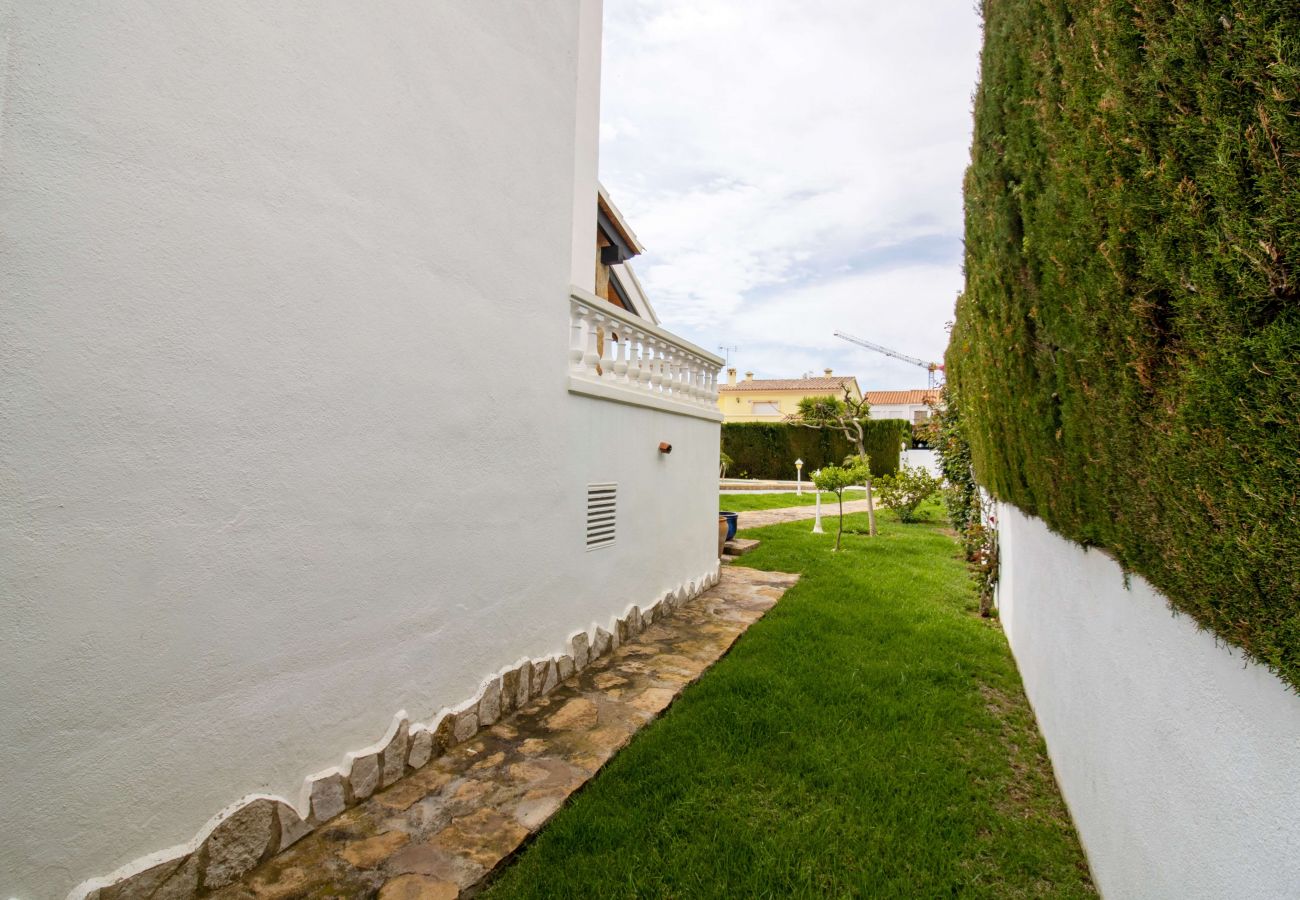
[
  {"x": 577, "y": 342},
  {"x": 591, "y": 359},
  {"x": 656, "y": 367},
  {"x": 620, "y": 354},
  {"x": 647, "y": 364},
  {"x": 606, "y": 351},
  {"x": 634, "y": 358}
]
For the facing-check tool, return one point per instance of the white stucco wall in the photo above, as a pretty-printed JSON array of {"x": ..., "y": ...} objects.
[
  {"x": 283, "y": 424},
  {"x": 921, "y": 459},
  {"x": 586, "y": 142},
  {"x": 902, "y": 411},
  {"x": 1179, "y": 760}
]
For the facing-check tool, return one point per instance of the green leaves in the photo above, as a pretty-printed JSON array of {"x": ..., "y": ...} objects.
[
  {"x": 1127, "y": 348},
  {"x": 836, "y": 478},
  {"x": 907, "y": 490},
  {"x": 822, "y": 410},
  {"x": 769, "y": 449}
]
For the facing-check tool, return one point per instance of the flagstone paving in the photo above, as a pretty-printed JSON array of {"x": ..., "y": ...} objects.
[{"x": 442, "y": 830}]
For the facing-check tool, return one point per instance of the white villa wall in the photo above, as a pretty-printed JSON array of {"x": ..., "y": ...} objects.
[
  {"x": 921, "y": 459},
  {"x": 284, "y": 426},
  {"x": 1179, "y": 760},
  {"x": 586, "y": 144},
  {"x": 902, "y": 411}
]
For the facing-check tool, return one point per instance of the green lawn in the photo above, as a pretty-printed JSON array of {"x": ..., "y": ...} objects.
[
  {"x": 868, "y": 737},
  {"x": 744, "y": 502}
]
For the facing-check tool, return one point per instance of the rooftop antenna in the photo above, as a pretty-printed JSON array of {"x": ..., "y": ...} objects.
[{"x": 727, "y": 351}]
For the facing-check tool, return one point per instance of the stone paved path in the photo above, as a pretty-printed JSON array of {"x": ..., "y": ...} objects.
[
  {"x": 760, "y": 517},
  {"x": 442, "y": 830}
]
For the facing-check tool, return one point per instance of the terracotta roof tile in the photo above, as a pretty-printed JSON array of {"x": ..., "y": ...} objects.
[{"x": 889, "y": 398}]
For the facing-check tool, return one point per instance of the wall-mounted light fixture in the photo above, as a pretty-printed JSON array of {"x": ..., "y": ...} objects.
[{"x": 665, "y": 447}]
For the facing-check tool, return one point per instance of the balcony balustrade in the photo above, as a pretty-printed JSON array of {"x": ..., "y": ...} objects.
[{"x": 619, "y": 356}]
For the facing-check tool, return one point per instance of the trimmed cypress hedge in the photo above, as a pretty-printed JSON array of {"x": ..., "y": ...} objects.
[
  {"x": 769, "y": 449},
  {"x": 1128, "y": 344}
]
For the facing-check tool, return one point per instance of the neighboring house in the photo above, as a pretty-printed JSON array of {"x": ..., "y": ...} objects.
[
  {"x": 774, "y": 399},
  {"x": 914, "y": 406},
  {"x": 321, "y": 417}
]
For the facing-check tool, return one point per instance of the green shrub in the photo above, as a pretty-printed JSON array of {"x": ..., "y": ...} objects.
[
  {"x": 837, "y": 479},
  {"x": 769, "y": 449},
  {"x": 907, "y": 490},
  {"x": 1128, "y": 343},
  {"x": 961, "y": 495}
]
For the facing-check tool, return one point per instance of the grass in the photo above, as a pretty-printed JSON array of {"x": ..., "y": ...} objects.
[
  {"x": 868, "y": 737},
  {"x": 746, "y": 502}
]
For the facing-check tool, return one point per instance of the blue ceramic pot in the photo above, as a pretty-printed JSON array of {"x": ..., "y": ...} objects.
[{"x": 731, "y": 522}]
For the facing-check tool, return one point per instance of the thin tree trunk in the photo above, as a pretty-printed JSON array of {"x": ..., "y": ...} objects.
[
  {"x": 840, "y": 533},
  {"x": 862, "y": 454}
]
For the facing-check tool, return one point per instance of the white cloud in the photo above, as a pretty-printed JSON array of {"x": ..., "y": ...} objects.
[{"x": 786, "y": 164}]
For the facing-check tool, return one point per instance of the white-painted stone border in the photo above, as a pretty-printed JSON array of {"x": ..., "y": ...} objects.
[{"x": 405, "y": 747}]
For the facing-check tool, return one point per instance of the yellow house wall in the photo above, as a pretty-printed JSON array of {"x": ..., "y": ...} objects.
[{"x": 738, "y": 406}]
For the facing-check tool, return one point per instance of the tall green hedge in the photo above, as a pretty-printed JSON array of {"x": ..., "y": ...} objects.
[
  {"x": 1128, "y": 344},
  {"x": 769, "y": 449}
]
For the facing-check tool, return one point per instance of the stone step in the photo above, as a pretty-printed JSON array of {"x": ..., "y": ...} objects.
[
  {"x": 740, "y": 546},
  {"x": 727, "y": 559}
]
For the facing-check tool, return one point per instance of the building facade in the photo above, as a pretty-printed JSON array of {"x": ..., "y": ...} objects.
[
  {"x": 775, "y": 399},
  {"x": 303, "y": 460},
  {"x": 915, "y": 406}
]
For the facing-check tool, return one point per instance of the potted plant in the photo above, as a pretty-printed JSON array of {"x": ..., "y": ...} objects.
[{"x": 730, "y": 518}]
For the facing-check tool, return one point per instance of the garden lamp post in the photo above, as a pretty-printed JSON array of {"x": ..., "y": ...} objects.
[
  {"x": 798, "y": 477},
  {"x": 817, "y": 523}
]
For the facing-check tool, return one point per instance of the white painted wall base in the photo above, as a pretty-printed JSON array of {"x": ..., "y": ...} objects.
[{"x": 1180, "y": 760}]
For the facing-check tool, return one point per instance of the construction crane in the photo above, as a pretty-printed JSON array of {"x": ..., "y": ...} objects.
[{"x": 930, "y": 367}]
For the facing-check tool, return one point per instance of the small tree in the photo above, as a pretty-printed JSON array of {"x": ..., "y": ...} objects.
[
  {"x": 837, "y": 479},
  {"x": 723, "y": 462},
  {"x": 907, "y": 490},
  {"x": 846, "y": 416}
]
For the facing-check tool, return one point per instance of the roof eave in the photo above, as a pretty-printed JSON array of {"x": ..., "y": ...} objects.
[{"x": 616, "y": 219}]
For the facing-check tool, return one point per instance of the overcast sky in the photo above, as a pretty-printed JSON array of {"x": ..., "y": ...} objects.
[{"x": 794, "y": 169}]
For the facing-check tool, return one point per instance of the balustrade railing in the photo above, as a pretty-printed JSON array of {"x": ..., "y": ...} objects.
[{"x": 611, "y": 347}]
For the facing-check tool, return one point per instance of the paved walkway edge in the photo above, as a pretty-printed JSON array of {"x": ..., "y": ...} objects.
[
  {"x": 830, "y": 509},
  {"x": 442, "y": 831}
]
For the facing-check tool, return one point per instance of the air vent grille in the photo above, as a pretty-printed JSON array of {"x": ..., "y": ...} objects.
[{"x": 602, "y": 517}]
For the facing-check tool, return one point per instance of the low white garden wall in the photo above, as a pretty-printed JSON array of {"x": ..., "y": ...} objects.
[
  {"x": 1180, "y": 760},
  {"x": 921, "y": 459}
]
